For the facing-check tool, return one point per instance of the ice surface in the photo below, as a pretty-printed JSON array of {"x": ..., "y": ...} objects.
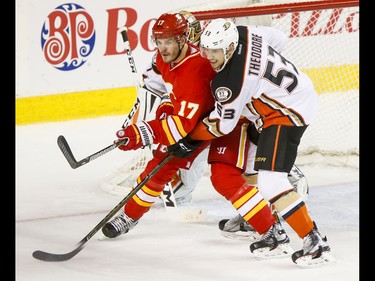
[{"x": 57, "y": 206}]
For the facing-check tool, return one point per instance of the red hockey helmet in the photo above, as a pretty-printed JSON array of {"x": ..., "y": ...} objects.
[{"x": 170, "y": 25}]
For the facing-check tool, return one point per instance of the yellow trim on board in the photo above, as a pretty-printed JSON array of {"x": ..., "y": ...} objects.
[
  {"x": 119, "y": 101},
  {"x": 331, "y": 79},
  {"x": 78, "y": 105}
]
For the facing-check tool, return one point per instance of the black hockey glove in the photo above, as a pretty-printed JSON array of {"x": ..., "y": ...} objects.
[
  {"x": 184, "y": 147},
  {"x": 253, "y": 133}
]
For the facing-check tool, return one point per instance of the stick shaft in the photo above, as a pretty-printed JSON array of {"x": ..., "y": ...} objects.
[{"x": 124, "y": 33}]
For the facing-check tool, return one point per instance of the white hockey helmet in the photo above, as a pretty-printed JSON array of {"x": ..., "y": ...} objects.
[{"x": 220, "y": 34}]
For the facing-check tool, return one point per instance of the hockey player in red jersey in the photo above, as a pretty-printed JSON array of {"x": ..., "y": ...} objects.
[
  {"x": 187, "y": 78},
  {"x": 149, "y": 98},
  {"x": 256, "y": 82}
]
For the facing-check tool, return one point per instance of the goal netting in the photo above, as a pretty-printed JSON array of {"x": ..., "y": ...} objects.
[{"x": 324, "y": 43}]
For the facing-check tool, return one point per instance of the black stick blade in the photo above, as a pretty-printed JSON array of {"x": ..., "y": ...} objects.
[
  {"x": 67, "y": 152},
  {"x": 44, "y": 256}
]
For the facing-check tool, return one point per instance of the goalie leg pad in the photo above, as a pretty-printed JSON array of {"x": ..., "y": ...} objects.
[
  {"x": 185, "y": 181},
  {"x": 178, "y": 214}
]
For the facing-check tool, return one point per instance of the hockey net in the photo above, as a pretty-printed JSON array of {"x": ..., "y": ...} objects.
[{"x": 324, "y": 43}]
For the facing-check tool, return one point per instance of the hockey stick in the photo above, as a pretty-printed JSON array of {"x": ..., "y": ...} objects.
[
  {"x": 65, "y": 149},
  {"x": 44, "y": 256},
  {"x": 124, "y": 33}
]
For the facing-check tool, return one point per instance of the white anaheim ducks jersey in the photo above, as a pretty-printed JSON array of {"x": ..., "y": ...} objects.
[{"x": 260, "y": 84}]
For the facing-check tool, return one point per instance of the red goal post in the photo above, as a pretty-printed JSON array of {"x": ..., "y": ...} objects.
[{"x": 273, "y": 7}]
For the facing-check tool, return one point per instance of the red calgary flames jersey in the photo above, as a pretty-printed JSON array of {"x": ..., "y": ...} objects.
[{"x": 188, "y": 85}]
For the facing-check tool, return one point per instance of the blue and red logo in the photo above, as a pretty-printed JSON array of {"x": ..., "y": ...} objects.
[{"x": 68, "y": 37}]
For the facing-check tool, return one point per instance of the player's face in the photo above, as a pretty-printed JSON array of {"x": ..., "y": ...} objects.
[
  {"x": 215, "y": 56},
  {"x": 168, "y": 48}
]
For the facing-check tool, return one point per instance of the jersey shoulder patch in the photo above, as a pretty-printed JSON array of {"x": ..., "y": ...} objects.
[{"x": 223, "y": 94}]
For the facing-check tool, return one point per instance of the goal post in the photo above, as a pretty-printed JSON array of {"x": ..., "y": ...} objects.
[
  {"x": 265, "y": 7},
  {"x": 324, "y": 43}
]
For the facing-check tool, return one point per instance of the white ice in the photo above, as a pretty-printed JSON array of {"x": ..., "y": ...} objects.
[{"x": 57, "y": 206}]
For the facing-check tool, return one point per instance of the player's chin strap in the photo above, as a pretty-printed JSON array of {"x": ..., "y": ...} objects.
[{"x": 180, "y": 49}]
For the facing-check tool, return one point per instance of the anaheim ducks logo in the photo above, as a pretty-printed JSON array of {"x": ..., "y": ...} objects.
[
  {"x": 223, "y": 94},
  {"x": 226, "y": 25}
]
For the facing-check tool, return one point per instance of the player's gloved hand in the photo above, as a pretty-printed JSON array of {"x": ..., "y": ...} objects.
[
  {"x": 165, "y": 108},
  {"x": 253, "y": 133},
  {"x": 138, "y": 135},
  {"x": 184, "y": 147}
]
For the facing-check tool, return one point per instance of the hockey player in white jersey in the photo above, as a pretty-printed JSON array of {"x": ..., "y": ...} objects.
[{"x": 255, "y": 81}]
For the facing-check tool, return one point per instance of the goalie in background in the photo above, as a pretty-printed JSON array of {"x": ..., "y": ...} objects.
[{"x": 256, "y": 82}]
